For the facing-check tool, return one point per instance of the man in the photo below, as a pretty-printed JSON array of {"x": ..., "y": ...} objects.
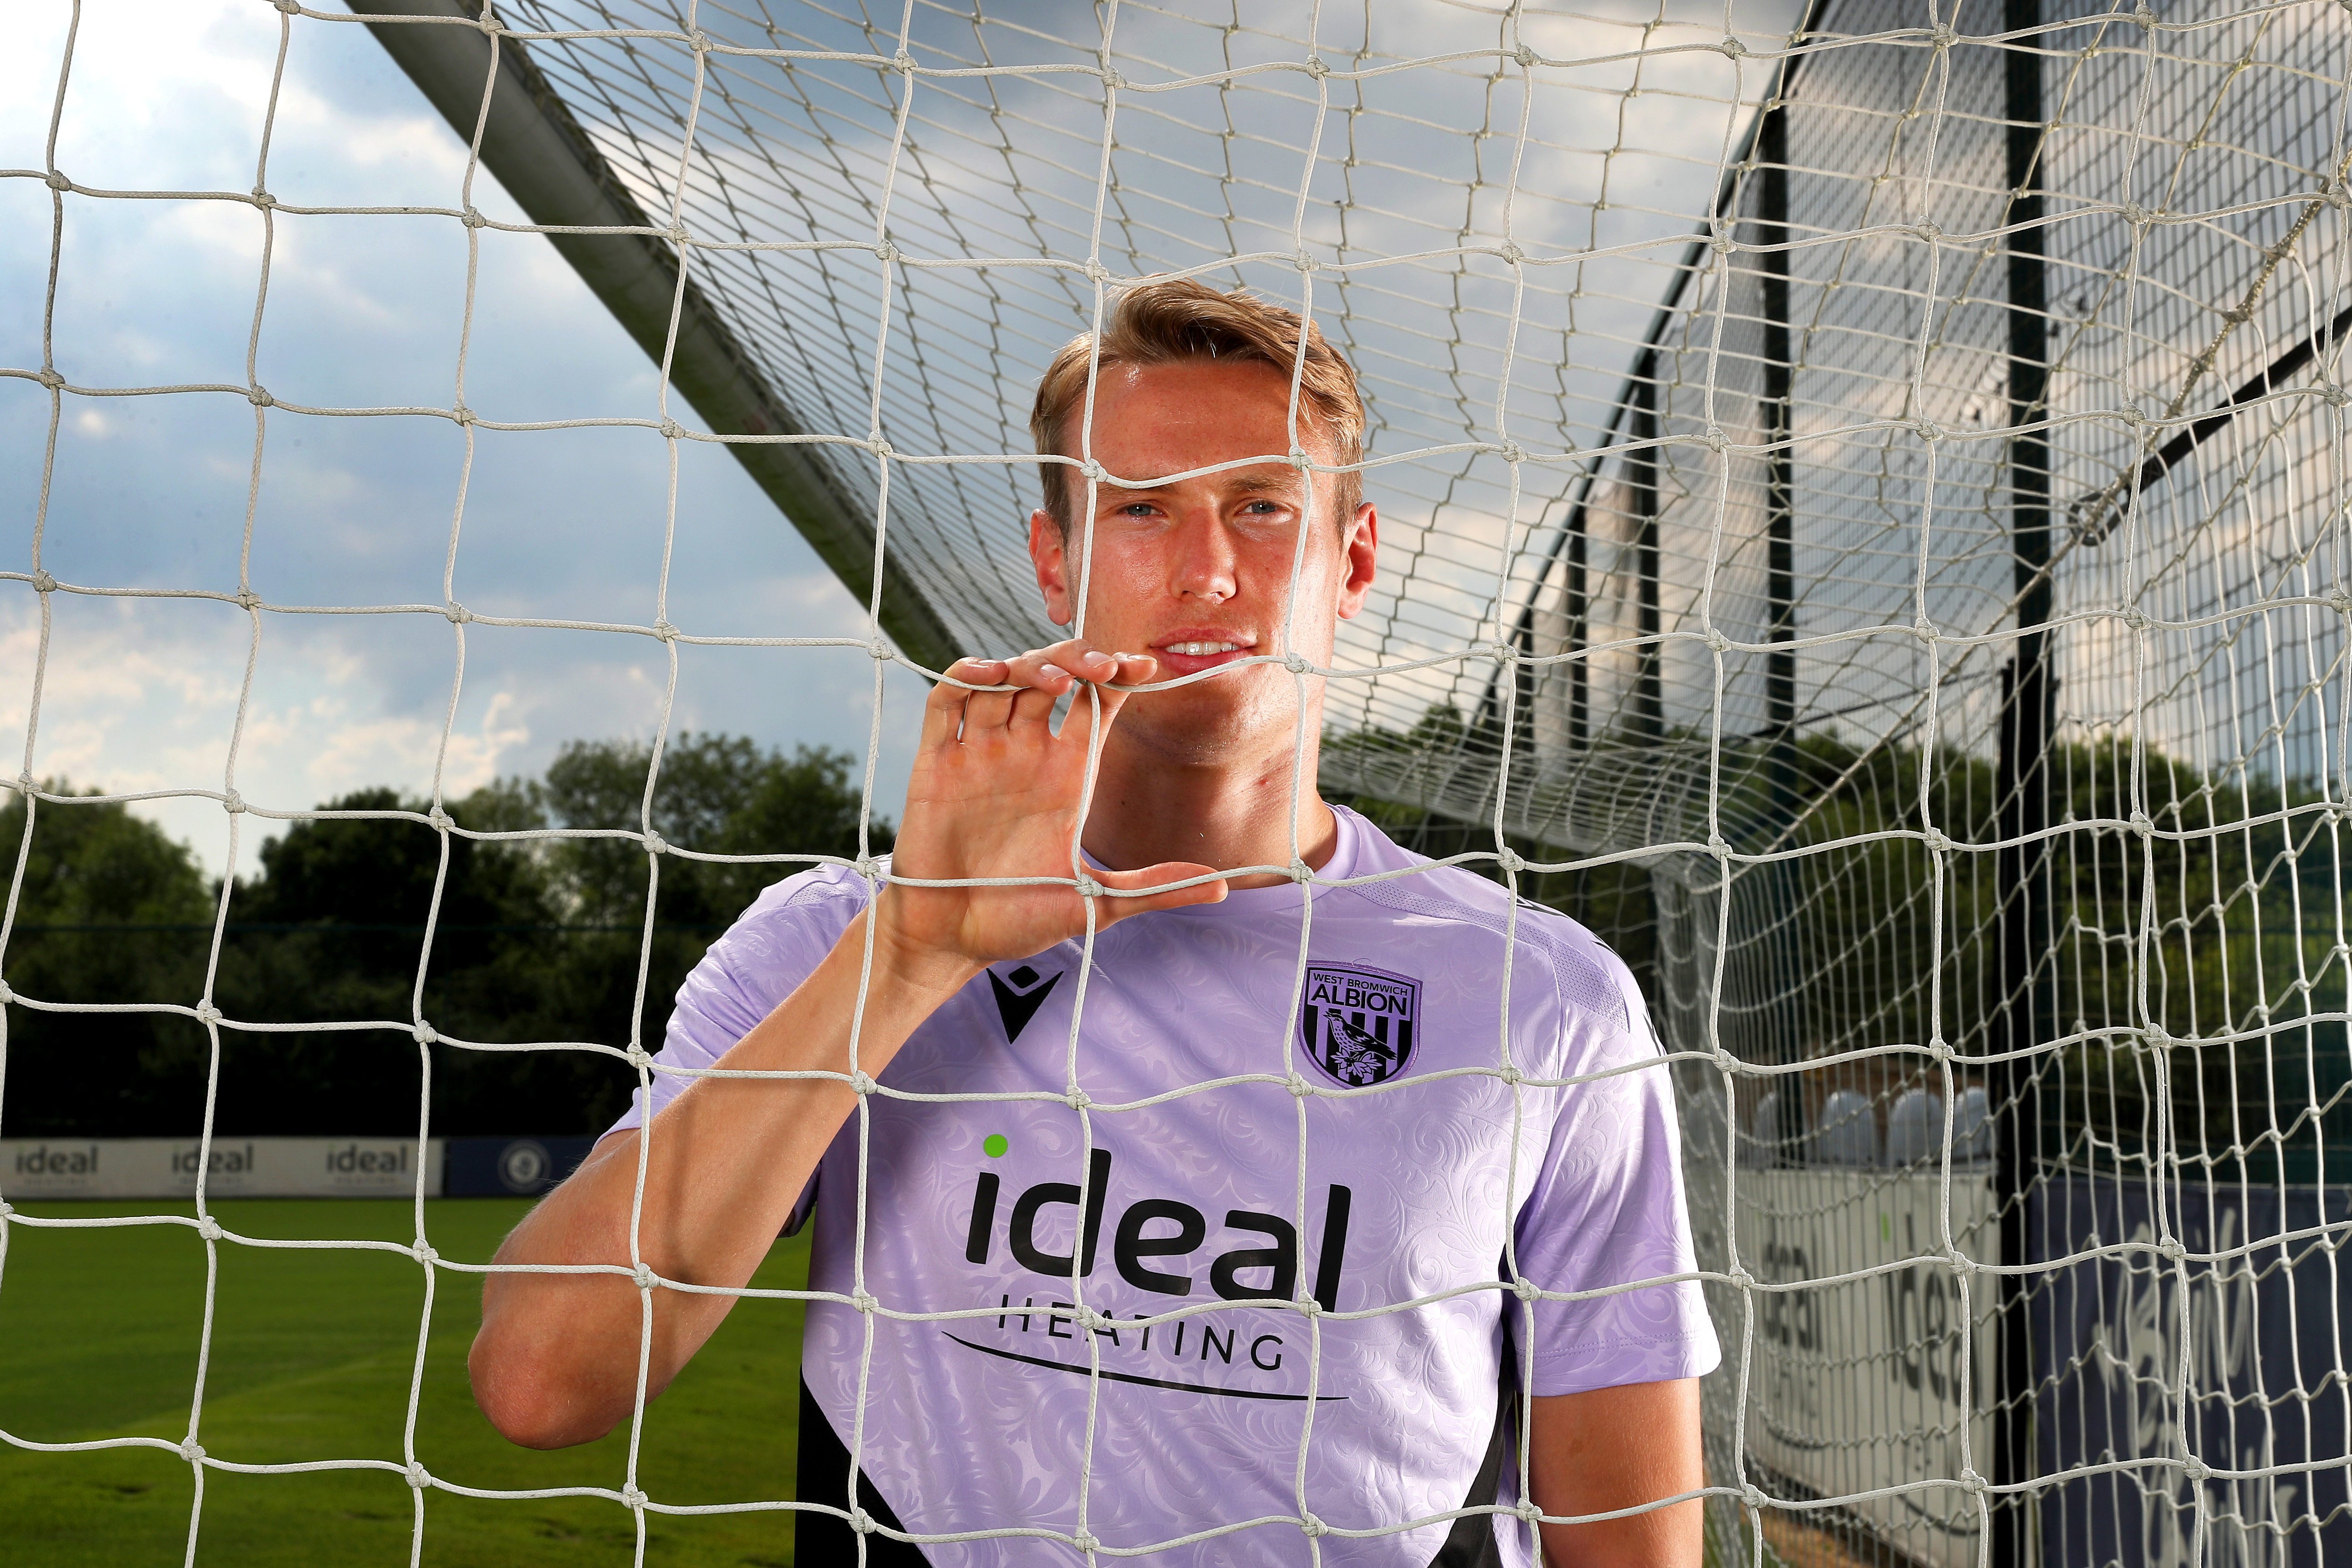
[{"x": 1050, "y": 1149}]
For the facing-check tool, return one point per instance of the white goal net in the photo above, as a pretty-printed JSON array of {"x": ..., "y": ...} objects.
[{"x": 1864, "y": 497}]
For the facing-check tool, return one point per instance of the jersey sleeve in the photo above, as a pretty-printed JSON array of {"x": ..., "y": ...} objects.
[
  {"x": 1607, "y": 1208},
  {"x": 761, "y": 960}
]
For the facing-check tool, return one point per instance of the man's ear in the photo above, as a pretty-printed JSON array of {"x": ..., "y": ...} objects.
[
  {"x": 1359, "y": 546},
  {"x": 1049, "y": 553}
]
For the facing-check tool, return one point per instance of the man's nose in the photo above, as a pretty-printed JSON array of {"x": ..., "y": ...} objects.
[{"x": 1204, "y": 559}]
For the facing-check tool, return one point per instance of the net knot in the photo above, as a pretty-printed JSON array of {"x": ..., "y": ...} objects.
[
  {"x": 232, "y": 803},
  {"x": 1944, "y": 36},
  {"x": 886, "y": 253},
  {"x": 458, "y": 614},
  {"x": 643, "y": 1274},
  {"x": 1925, "y": 630},
  {"x": 903, "y": 62},
  {"x": 461, "y": 413},
  {"x": 2195, "y": 1468},
  {"x": 424, "y": 1253},
  {"x": 654, "y": 843},
  {"x": 472, "y": 218},
  {"x": 1514, "y": 254},
  {"x": 50, "y": 379},
  {"x": 881, "y": 448},
  {"x": 866, "y": 867},
  {"x": 1934, "y": 841},
  {"x": 2341, "y": 603},
  {"x": 865, "y": 1301},
  {"x": 861, "y": 1081},
  {"x": 861, "y": 1522},
  {"x": 1939, "y": 1050},
  {"x": 206, "y": 1013},
  {"x": 1719, "y": 846},
  {"x": 671, "y": 430},
  {"x": 193, "y": 1451},
  {"x": 1741, "y": 1280},
  {"x": 2145, "y": 17},
  {"x": 1296, "y": 664},
  {"x": 1527, "y": 57},
  {"x": 2141, "y": 825},
  {"x": 1305, "y": 261},
  {"x": 698, "y": 41},
  {"x": 1971, "y": 1482},
  {"x": 1511, "y": 860},
  {"x": 419, "y": 1477},
  {"x": 1310, "y": 1525},
  {"x": 1087, "y": 887},
  {"x": 1086, "y": 1541},
  {"x": 42, "y": 581},
  {"x": 1317, "y": 67},
  {"x": 1530, "y": 1513},
  {"x": 1716, "y": 642},
  {"x": 6, "y": 1208},
  {"x": 259, "y": 397},
  {"x": 263, "y": 199},
  {"x": 1511, "y": 451},
  {"x": 877, "y": 649},
  {"x": 1079, "y": 1099},
  {"x": 2171, "y": 1250},
  {"x": 633, "y": 1496},
  {"x": 1526, "y": 1289},
  {"x": 637, "y": 1056},
  {"x": 210, "y": 1228},
  {"x": 1297, "y": 1084},
  {"x": 56, "y": 181},
  {"x": 488, "y": 22},
  {"x": 248, "y": 600},
  {"x": 442, "y": 820},
  {"x": 665, "y": 631},
  {"x": 1113, "y": 80},
  {"x": 2330, "y": 393},
  {"x": 425, "y": 1033},
  {"x": 292, "y": 7},
  {"x": 1097, "y": 272},
  {"x": 2135, "y": 215}
]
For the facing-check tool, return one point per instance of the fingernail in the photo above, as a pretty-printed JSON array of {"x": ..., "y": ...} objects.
[
  {"x": 1101, "y": 661},
  {"x": 1052, "y": 673}
]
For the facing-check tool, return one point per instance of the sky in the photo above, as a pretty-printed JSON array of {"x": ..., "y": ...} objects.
[
  {"x": 128, "y": 693},
  {"x": 151, "y": 493}
]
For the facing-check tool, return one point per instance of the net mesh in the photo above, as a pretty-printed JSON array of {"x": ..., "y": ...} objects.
[{"x": 1916, "y": 643}]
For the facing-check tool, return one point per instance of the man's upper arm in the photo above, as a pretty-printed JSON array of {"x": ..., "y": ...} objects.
[{"x": 1615, "y": 1449}]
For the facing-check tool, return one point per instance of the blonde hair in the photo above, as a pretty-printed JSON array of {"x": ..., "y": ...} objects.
[{"x": 1174, "y": 320}]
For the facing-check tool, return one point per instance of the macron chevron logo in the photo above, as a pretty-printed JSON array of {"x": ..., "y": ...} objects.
[{"x": 1019, "y": 995}]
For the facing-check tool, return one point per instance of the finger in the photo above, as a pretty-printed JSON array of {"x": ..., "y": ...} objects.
[
  {"x": 1077, "y": 659},
  {"x": 1106, "y": 697},
  {"x": 1110, "y": 910},
  {"x": 1033, "y": 708},
  {"x": 943, "y": 711}
]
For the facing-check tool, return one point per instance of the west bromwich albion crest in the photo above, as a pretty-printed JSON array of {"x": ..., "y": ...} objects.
[{"x": 1357, "y": 1024}]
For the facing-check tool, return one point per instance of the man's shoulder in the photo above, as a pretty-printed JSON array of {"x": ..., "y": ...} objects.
[
  {"x": 793, "y": 919},
  {"x": 1410, "y": 886}
]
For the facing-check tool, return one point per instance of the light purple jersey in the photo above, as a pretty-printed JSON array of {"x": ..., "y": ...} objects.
[{"x": 1394, "y": 1193}]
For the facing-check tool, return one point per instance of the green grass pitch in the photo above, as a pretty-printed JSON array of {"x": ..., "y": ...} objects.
[{"x": 311, "y": 1357}]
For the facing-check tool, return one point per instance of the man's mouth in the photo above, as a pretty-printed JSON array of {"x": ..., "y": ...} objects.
[{"x": 1197, "y": 648}]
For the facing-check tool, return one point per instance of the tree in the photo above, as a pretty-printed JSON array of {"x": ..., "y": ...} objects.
[{"x": 111, "y": 910}]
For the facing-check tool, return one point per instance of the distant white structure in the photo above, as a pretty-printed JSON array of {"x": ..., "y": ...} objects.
[{"x": 1849, "y": 1130}]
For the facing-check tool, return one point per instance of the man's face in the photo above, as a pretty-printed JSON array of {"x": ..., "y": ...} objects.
[{"x": 1197, "y": 571}]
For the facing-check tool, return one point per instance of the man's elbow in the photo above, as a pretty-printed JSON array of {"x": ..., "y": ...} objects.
[{"x": 532, "y": 1405}]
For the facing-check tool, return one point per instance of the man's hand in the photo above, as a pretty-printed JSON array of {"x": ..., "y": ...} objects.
[{"x": 996, "y": 793}]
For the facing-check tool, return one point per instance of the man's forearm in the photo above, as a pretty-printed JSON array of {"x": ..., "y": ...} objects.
[{"x": 556, "y": 1360}]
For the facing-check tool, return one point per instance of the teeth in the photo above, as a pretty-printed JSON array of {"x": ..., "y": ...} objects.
[{"x": 1201, "y": 649}]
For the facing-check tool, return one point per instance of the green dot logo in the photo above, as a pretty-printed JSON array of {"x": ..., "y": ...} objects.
[{"x": 996, "y": 1144}]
